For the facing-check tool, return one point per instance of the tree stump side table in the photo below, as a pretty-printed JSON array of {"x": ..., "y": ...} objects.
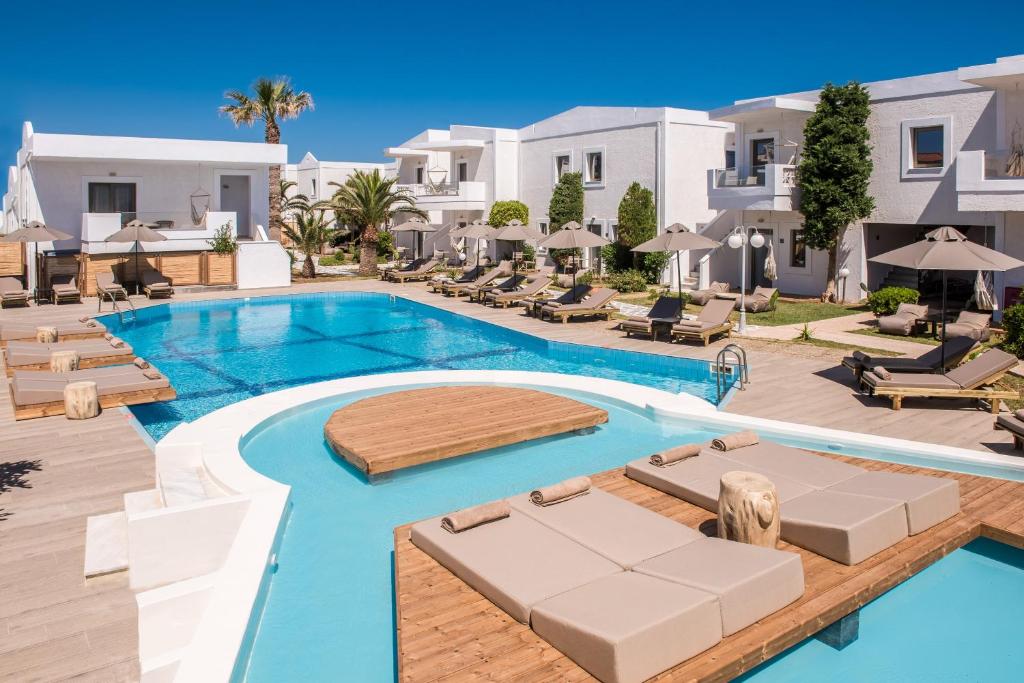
[
  {"x": 748, "y": 509},
  {"x": 81, "y": 401}
]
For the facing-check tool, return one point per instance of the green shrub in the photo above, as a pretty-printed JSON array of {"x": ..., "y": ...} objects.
[
  {"x": 529, "y": 252},
  {"x": 385, "y": 244},
  {"x": 504, "y": 212},
  {"x": 628, "y": 281},
  {"x": 332, "y": 260},
  {"x": 887, "y": 299},
  {"x": 1013, "y": 326},
  {"x": 654, "y": 264},
  {"x": 638, "y": 216},
  {"x": 566, "y": 201},
  {"x": 585, "y": 278},
  {"x": 223, "y": 241},
  {"x": 616, "y": 257}
]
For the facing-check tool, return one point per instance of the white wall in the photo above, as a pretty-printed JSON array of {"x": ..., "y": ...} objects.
[{"x": 263, "y": 264}]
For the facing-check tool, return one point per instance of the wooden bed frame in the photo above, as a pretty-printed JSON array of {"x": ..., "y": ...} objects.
[
  {"x": 992, "y": 394},
  {"x": 129, "y": 398},
  {"x": 83, "y": 363},
  {"x": 64, "y": 337},
  {"x": 704, "y": 335}
]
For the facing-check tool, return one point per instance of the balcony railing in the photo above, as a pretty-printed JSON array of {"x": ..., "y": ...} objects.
[
  {"x": 431, "y": 190},
  {"x": 757, "y": 177},
  {"x": 444, "y": 194}
]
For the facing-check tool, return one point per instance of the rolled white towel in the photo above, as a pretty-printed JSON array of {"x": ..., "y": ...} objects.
[
  {"x": 141, "y": 363},
  {"x": 677, "y": 454},
  {"x": 733, "y": 441},
  {"x": 475, "y": 516}
]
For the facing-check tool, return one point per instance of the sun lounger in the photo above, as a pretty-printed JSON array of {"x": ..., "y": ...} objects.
[
  {"x": 12, "y": 293},
  {"x": 701, "y": 297},
  {"x": 533, "y": 304},
  {"x": 458, "y": 289},
  {"x": 793, "y": 463},
  {"x": 91, "y": 329},
  {"x": 762, "y": 299},
  {"x": 421, "y": 273},
  {"x": 468, "y": 276},
  {"x": 712, "y": 320},
  {"x": 156, "y": 286},
  {"x": 534, "y": 286},
  {"x": 506, "y": 285},
  {"x": 751, "y": 582},
  {"x": 92, "y": 353},
  {"x": 665, "y": 311},
  {"x": 597, "y": 304},
  {"x": 515, "y": 562},
  {"x": 610, "y": 526},
  {"x": 64, "y": 290},
  {"x": 1013, "y": 423},
  {"x": 970, "y": 324},
  {"x": 903, "y": 321},
  {"x": 974, "y": 379},
  {"x": 38, "y": 393},
  {"x": 109, "y": 289},
  {"x": 386, "y": 272},
  {"x": 956, "y": 350},
  {"x": 629, "y": 627}
]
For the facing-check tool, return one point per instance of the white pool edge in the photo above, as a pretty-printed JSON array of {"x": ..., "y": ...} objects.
[{"x": 228, "y": 621}]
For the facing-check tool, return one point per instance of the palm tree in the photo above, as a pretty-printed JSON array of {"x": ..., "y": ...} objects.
[
  {"x": 271, "y": 100},
  {"x": 296, "y": 202},
  {"x": 311, "y": 231},
  {"x": 369, "y": 201}
]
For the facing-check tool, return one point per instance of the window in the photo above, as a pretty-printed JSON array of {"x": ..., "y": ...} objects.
[
  {"x": 595, "y": 167},
  {"x": 113, "y": 198},
  {"x": 463, "y": 171},
  {"x": 797, "y": 249},
  {"x": 313, "y": 194},
  {"x": 927, "y": 143},
  {"x": 563, "y": 165},
  {"x": 730, "y": 158},
  {"x": 419, "y": 175},
  {"x": 762, "y": 153}
]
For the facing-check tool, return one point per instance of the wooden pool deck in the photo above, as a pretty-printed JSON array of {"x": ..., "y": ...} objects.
[
  {"x": 450, "y": 421},
  {"x": 449, "y": 632}
]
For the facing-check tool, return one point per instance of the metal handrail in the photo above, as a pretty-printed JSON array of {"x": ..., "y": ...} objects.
[{"x": 722, "y": 368}]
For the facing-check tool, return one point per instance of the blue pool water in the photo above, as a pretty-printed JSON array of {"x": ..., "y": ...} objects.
[
  {"x": 219, "y": 352},
  {"x": 328, "y": 614}
]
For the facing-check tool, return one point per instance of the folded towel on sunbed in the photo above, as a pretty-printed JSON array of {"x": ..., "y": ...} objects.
[
  {"x": 108, "y": 336},
  {"x": 116, "y": 342},
  {"x": 882, "y": 372},
  {"x": 674, "y": 455},
  {"x": 737, "y": 440},
  {"x": 89, "y": 322},
  {"x": 151, "y": 373},
  {"x": 560, "y": 492},
  {"x": 141, "y": 363},
  {"x": 475, "y": 516}
]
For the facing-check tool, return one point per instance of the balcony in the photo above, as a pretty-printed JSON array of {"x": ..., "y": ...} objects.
[
  {"x": 465, "y": 196},
  {"x": 982, "y": 183},
  {"x": 767, "y": 188},
  {"x": 177, "y": 227}
]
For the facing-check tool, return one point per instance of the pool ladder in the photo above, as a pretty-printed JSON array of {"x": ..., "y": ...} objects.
[
  {"x": 124, "y": 315},
  {"x": 724, "y": 371}
]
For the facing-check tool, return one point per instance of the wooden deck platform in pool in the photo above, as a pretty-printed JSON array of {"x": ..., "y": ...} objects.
[
  {"x": 449, "y": 632},
  {"x": 446, "y": 422}
]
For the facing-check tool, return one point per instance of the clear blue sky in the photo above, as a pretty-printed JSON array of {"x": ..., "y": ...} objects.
[{"x": 382, "y": 71}]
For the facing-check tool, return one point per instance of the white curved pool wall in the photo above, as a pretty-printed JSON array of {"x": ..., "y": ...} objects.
[{"x": 202, "y": 545}]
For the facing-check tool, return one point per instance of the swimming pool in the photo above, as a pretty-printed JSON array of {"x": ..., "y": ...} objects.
[
  {"x": 219, "y": 352},
  {"x": 328, "y": 613}
]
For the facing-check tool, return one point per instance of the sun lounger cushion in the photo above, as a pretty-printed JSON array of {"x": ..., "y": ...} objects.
[
  {"x": 845, "y": 527},
  {"x": 1011, "y": 423},
  {"x": 902, "y": 380},
  {"x": 973, "y": 373},
  {"x": 698, "y": 480},
  {"x": 795, "y": 463},
  {"x": 620, "y": 531},
  {"x": 27, "y": 353},
  {"x": 751, "y": 582},
  {"x": 972, "y": 325},
  {"x": 928, "y": 500},
  {"x": 629, "y": 627},
  {"x": 11, "y": 332},
  {"x": 41, "y": 386},
  {"x": 515, "y": 562}
]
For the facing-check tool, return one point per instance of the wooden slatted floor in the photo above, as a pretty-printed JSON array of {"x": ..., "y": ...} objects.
[
  {"x": 449, "y": 632},
  {"x": 449, "y": 421}
]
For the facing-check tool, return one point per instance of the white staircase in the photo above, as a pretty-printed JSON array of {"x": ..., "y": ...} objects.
[{"x": 106, "y": 544}]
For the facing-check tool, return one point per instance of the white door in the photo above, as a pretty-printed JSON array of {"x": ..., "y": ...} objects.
[{"x": 235, "y": 196}]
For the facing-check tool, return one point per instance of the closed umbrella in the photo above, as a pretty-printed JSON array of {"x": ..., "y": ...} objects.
[
  {"x": 983, "y": 298},
  {"x": 34, "y": 233},
  {"x": 678, "y": 238},
  {"x": 136, "y": 231},
  {"x": 515, "y": 232},
  {"x": 770, "y": 268},
  {"x": 477, "y": 230},
  {"x": 574, "y": 236},
  {"x": 417, "y": 225},
  {"x": 947, "y": 249}
]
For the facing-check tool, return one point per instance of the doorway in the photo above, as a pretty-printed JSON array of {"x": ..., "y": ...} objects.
[
  {"x": 235, "y": 196},
  {"x": 762, "y": 153},
  {"x": 756, "y": 260}
]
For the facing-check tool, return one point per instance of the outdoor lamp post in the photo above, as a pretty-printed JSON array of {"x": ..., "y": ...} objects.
[
  {"x": 843, "y": 273},
  {"x": 738, "y": 238}
]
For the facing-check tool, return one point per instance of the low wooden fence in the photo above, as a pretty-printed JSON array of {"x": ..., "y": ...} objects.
[
  {"x": 182, "y": 268},
  {"x": 12, "y": 259}
]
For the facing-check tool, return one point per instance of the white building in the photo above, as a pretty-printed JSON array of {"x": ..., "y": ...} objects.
[
  {"x": 939, "y": 145},
  {"x": 313, "y": 177},
  {"x": 90, "y": 186},
  {"x": 458, "y": 174}
]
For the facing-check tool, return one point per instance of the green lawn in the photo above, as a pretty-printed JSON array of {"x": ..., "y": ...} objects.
[{"x": 792, "y": 312}]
